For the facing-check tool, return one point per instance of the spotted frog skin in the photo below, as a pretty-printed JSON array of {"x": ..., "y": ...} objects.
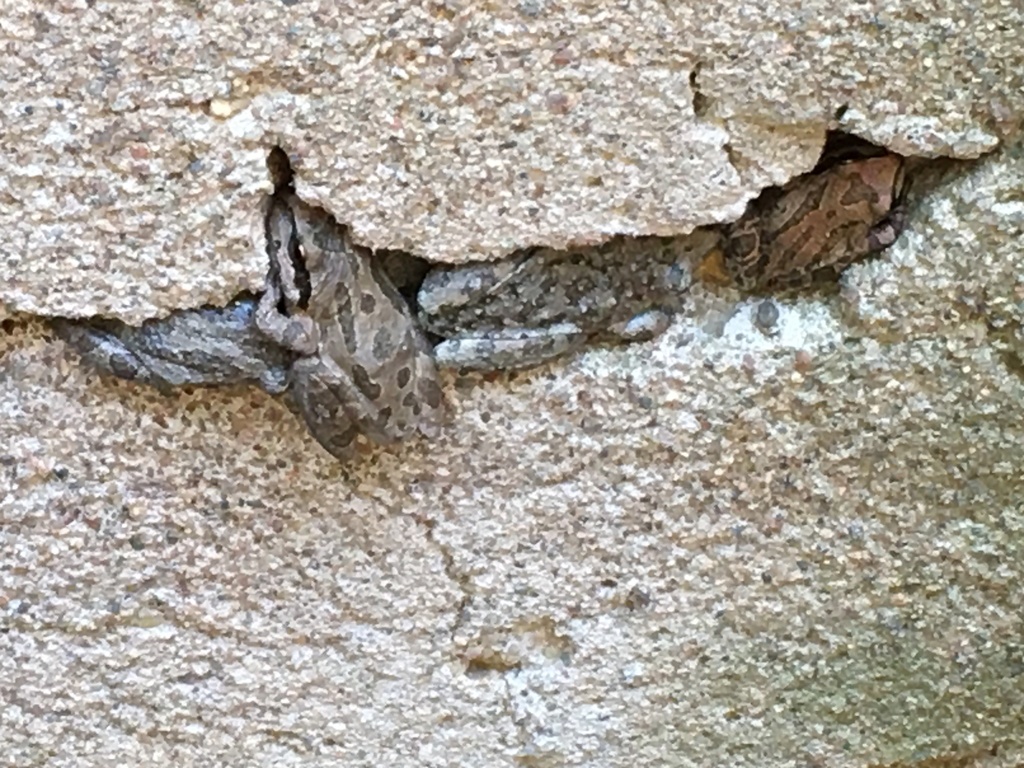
[
  {"x": 817, "y": 225},
  {"x": 362, "y": 365},
  {"x": 330, "y": 332},
  {"x": 207, "y": 347},
  {"x": 523, "y": 311}
]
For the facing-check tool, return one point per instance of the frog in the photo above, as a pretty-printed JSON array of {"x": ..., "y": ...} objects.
[
  {"x": 542, "y": 303},
  {"x": 362, "y": 365},
  {"x": 818, "y": 224},
  {"x": 209, "y": 346},
  {"x": 329, "y": 333}
]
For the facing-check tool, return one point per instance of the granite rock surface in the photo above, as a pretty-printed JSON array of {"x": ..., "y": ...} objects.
[
  {"x": 728, "y": 546},
  {"x": 745, "y": 543},
  {"x": 135, "y": 136}
]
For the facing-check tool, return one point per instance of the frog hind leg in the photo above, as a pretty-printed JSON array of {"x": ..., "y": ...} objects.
[
  {"x": 510, "y": 349},
  {"x": 325, "y": 414},
  {"x": 106, "y": 345},
  {"x": 643, "y": 326}
]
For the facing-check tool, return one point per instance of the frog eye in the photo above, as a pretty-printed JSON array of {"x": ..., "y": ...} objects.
[
  {"x": 899, "y": 182},
  {"x": 312, "y": 258}
]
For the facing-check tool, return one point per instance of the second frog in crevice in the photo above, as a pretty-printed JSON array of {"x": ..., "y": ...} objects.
[{"x": 851, "y": 205}]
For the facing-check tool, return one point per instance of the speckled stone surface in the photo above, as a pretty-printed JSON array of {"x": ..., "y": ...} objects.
[
  {"x": 732, "y": 546},
  {"x": 135, "y": 134}
]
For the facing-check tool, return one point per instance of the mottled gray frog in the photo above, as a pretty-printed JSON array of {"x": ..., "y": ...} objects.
[
  {"x": 330, "y": 330},
  {"x": 362, "y": 365},
  {"x": 528, "y": 309},
  {"x": 817, "y": 225}
]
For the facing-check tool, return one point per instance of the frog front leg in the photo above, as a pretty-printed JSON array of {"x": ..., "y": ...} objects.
[
  {"x": 643, "y": 326},
  {"x": 518, "y": 348},
  {"x": 296, "y": 333},
  {"x": 887, "y": 231}
]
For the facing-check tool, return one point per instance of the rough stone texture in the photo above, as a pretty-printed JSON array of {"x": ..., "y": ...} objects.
[
  {"x": 135, "y": 134},
  {"x": 723, "y": 547}
]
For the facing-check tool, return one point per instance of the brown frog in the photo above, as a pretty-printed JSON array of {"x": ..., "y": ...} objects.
[{"x": 818, "y": 224}]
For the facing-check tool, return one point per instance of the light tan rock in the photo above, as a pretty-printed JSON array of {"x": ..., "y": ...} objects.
[
  {"x": 135, "y": 134},
  {"x": 723, "y": 547}
]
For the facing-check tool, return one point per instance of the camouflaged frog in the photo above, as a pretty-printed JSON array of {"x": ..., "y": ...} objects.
[
  {"x": 817, "y": 225},
  {"x": 543, "y": 303},
  {"x": 362, "y": 365},
  {"x": 207, "y": 347},
  {"x": 330, "y": 331}
]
